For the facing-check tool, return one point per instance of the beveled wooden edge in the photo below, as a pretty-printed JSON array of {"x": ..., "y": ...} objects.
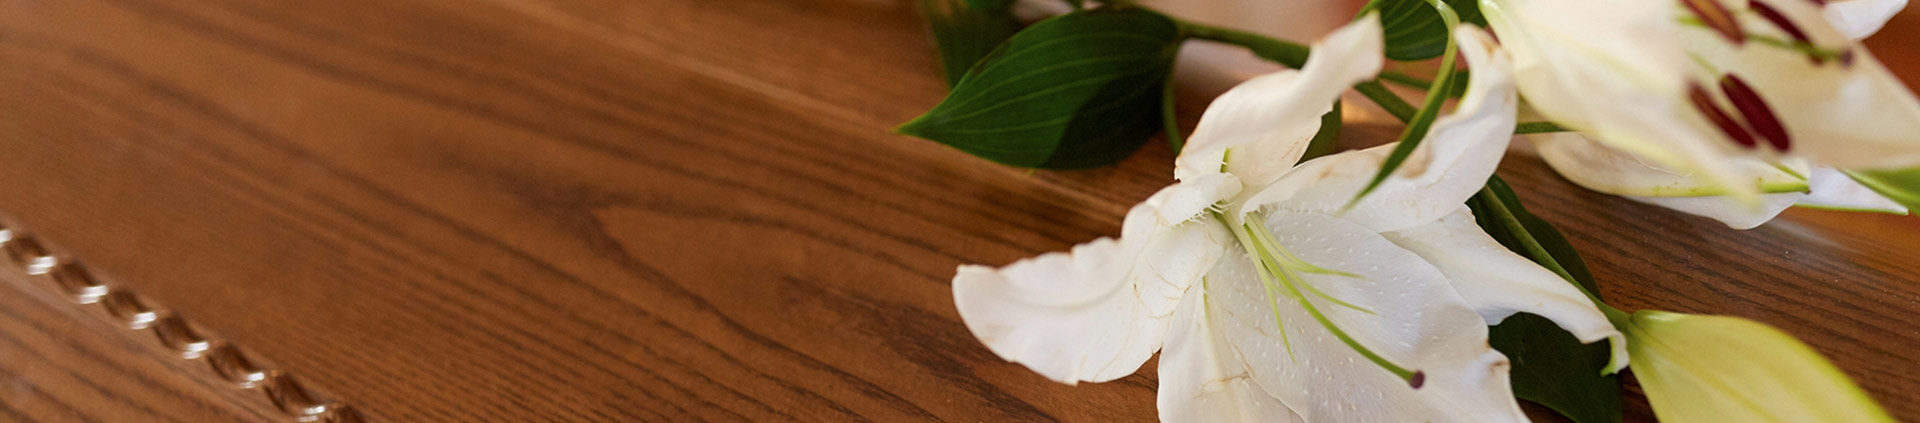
[{"x": 229, "y": 365}]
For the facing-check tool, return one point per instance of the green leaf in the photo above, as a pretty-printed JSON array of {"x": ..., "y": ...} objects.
[
  {"x": 1546, "y": 245},
  {"x": 993, "y": 5},
  {"x": 1074, "y": 91},
  {"x": 1422, "y": 121},
  {"x": 1901, "y": 186},
  {"x": 1415, "y": 30},
  {"x": 1469, "y": 12},
  {"x": 965, "y": 31},
  {"x": 1327, "y": 141},
  {"x": 1726, "y": 369},
  {"x": 1550, "y": 366}
]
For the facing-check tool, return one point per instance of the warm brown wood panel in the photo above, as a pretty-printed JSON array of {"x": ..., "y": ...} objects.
[
  {"x": 59, "y": 363},
  {"x": 601, "y": 210}
]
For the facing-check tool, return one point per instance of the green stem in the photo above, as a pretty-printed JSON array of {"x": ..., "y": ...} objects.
[
  {"x": 1168, "y": 116},
  {"x": 1294, "y": 55},
  {"x": 1538, "y": 128},
  {"x": 1539, "y": 252},
  {"x": 1393, "y": 104},
  {"x": 1405, "y": 80},
  {"x": 1291, "y": 54},
  {"x": 1422, "y": 121}
]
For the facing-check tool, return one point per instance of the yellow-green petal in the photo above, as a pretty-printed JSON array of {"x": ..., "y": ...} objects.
[{"x": 1698, "y": 368}]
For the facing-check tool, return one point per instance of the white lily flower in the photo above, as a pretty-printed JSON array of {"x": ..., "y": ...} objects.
[
  {"x": 1859, "y": 19},
  {"x": 1604, "y": 169},
  {"x": 1718, "y": 91},
  {"x": 1270, "y": 299}
]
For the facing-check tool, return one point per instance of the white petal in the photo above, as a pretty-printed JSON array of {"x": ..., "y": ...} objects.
[
  {"x": 1180, "y": 202},
  {"x": 1269, "y": 120},
  {"x": 1593, "y": 45},
  {"x": 1419, "y": 323},
  {"x": 1858, "y": 116},
  {"x": 1203, "y": 379},
  {"x": 1829, "y": 188},
  {"x": 1611, "y": 69},
  {"x": 1169, "y": 245},
  {"x": 1601, "y": 168},
  {"x": 1099, "y": 312},
  {"x": 1455, "y": 159},
  {"x": 1861, "y": 18},
  {"x": 1069, "y": 317},
  {"x": 1499, "y": 283},
  {"x": 1733, "y": 214},
  {"x": 1833, "y": 189}
]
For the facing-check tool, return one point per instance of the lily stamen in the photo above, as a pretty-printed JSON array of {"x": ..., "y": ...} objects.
[
  {"x": 1703, "y": 102},
  {"x": 1780, "y": 20},
  {"x": 1759, "y": 116},
  {"x": 1813, "y": 52},
  {"x": 1804, "y": 43},
  {"x": 1716, "y": 16},
  {"x": 1286, "y": 261}
]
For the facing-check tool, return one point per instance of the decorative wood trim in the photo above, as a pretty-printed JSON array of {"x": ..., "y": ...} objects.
[{"x": 229, "y": 364}]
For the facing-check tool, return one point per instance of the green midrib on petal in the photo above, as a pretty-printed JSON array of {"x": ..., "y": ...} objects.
[{"x": 1279, "y": 275}]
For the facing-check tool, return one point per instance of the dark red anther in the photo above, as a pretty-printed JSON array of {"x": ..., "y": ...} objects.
[
  {"x": 1716, "y": 16},
  {"x": 1419, "y": 378},
  {"x": 1846, "y": 58},
  {"x": 1759, "y": 116},
  {"x": 1780, "y": 20},
  {"x": 1704, "y": 103},
  {"x": 1821, "y": 3}
]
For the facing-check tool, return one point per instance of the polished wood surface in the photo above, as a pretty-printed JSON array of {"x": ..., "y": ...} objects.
[{"x": 664, "y": 210}]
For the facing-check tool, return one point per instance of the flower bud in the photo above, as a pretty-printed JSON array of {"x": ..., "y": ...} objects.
[{"x": 1698, "y": 368}]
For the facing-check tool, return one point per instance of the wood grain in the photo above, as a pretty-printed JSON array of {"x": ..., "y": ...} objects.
[
  {"x": 671, "y": 210},
  {"x": 61, "y": 365}
]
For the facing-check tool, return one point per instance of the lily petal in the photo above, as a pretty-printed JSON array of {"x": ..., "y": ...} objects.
[
  {"x": 1598, "y": 167},
  {"x": 1846, "y": 113},
  {"x": 1179, "y": 203},
  {"x": 1698, "y": 368},
  {"x": 1610, "y": 69},
  {"x": 1097, "y": 313},
  {"x": 1832, "y": 189},
  {"x": 1203, "y": 379},
  {"x": 1058, "y": 312},
  {"x": 1499, "y": 283},
  {"x": 1828, "y": 189},
  {"x": 1859, "y": 19},
  {"x": 1416, "y": 320},
  {"x": 1456, "y": 158},
  {"x": 1735, "y": 215},
  {"x": 1272, "y": 117}
]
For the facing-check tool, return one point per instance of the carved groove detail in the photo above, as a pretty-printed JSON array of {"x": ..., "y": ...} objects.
[{"x": 230, "y": 366}]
